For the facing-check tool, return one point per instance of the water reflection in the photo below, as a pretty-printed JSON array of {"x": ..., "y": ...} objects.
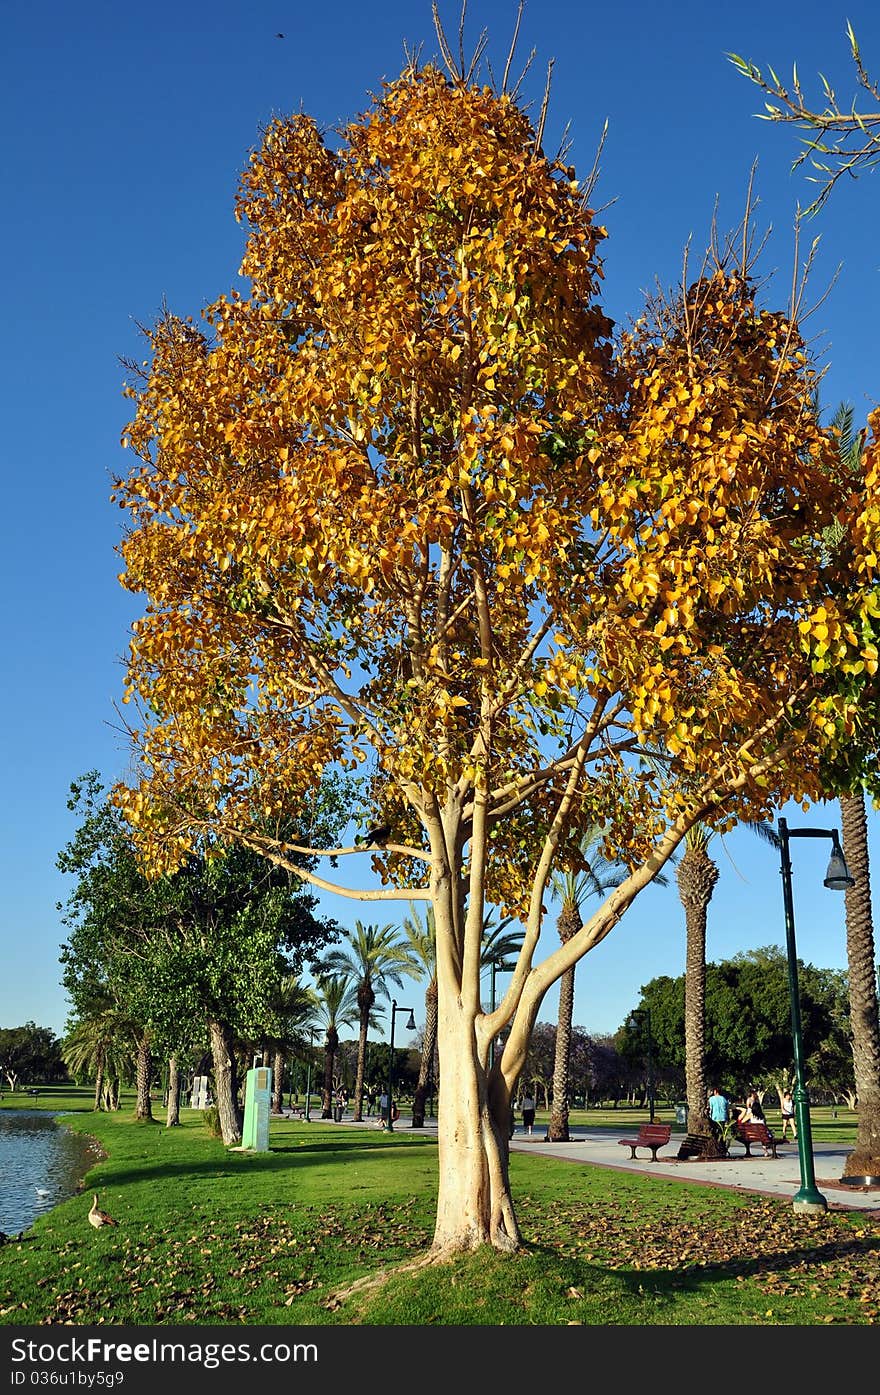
[{"x": 41, "y": 1163}]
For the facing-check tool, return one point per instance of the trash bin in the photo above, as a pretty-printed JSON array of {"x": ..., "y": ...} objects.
[
  {"x": 337, "y": 1113},
  {"x": 681, "y": 1113}
]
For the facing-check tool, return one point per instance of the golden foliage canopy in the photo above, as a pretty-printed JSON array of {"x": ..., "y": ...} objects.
[{"x": 410, "y": 505}]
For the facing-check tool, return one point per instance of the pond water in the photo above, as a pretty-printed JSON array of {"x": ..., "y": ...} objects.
[{"x": 41, "y": 1164}]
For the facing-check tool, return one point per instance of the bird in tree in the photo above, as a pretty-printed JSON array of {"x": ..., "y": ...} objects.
[{"x": 375, "y": 836}]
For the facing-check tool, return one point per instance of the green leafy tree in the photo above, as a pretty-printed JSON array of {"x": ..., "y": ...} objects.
[
  {"x": 210, "y": 944},
  {"x": 30, "y": 1053}
]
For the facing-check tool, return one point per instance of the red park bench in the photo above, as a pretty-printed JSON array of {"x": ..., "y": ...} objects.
[
  {"x": 651, "y": 1136},
  {"x": 747, "y": 1134}
]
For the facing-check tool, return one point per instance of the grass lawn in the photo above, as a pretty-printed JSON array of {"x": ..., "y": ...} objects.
[{"x": 213, "y": 1237}]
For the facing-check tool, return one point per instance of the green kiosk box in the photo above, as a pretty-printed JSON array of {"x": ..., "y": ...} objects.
[{"x": 257, "y": 1100}]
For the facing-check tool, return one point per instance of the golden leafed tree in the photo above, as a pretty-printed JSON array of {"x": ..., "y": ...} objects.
[{"x": 407, "y": 505}]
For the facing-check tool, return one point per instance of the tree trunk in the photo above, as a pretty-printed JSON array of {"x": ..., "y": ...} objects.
[
  {"x": 99, "y": 1088},
  {"x": 696, "y": 877},
  {"x": 330, "y": 1045},
  {"x": 143, "y": 1109},
  {"x": 172, "y": 1118},
  {"x": 864, "y": 1160},
  {"x": 557, "y": 1129},
  {"x": 277, "y": 1081},
  {"x": 360, "y": 1069},
  {"x": 426, "y": 1065},
  {"x": 474, "y": 1203},
  {"x": 225, "y": 1083}
]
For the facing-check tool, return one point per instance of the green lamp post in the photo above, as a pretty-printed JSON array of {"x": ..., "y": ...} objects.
[{"x": 808, "y": 1198}]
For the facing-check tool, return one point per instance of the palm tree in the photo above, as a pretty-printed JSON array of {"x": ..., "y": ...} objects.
[
  {"x": 336, "y": 1005},
  {"x": 864, "y": 1160},
  {"x": 376, "y": 957},
  {"x": 696, "y": 876},
  {"x": 573, "y": 888},
  {"x": 293, "y": 1010},
  {"x": 100, "y": 1044},
  {"x": 422, "y": 942},
  {"x": 143, "y": 1108}
]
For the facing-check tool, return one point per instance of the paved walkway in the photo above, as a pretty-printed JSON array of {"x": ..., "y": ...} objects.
[{"x": 779, "y": 1176}]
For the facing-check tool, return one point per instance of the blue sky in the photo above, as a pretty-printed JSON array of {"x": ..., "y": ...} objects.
[{"x": 124, "y": 133}]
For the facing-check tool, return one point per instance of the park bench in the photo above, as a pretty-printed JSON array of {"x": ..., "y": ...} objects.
[
  {"x": 747, "y": 1134},
  {"x": 651, "y": 1136},
  {"x": 33, "y": 1092}
]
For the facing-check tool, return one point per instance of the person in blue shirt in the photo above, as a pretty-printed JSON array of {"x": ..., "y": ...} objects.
[{"x": 719, "y": 1106}]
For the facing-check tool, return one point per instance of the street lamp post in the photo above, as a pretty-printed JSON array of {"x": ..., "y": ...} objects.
[
  {"x": 308, "y": 1117},
  {"x": 837, "y": 878},
  {"x": 496, "y": 968},
  {"x": 635, "y": 1015},
  {"x": 410, "y": 1027}
]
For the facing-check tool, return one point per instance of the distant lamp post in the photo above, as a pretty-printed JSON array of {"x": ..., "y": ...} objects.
[
  {"x": 837, "y": 878},
  {"x": 410, "y": 1027},
  {"x": 307, "y": 1116},
  {"x": 502, "y": 968},
  {"x": 634, "y": 1022}
]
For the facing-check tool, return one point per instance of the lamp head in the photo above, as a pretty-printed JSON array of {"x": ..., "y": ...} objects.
[
  {"x": 838, "y": 876},
  {"x": 411, "y": 1024}
]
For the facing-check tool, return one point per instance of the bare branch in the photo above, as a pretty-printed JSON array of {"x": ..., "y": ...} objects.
[
  {"x": 506, "y": 75},
  {"x": 545, "y": 102}
]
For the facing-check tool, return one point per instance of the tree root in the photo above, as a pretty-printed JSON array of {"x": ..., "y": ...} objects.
[
  {"x": 439, "y": 1254},
  {"x": 370, "y": 1282}
]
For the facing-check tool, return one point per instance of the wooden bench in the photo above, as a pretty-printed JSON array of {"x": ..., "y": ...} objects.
[
  {"x": 651, "y": 1136},
  {"x": 747, "y": 1134}
]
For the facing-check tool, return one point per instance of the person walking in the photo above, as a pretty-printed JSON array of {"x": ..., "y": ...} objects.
[
  {"x": 787, "y": 1106},
  {"x": 528, "y": 1113}
]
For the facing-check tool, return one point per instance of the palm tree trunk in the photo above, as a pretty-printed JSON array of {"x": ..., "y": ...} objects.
[
  {"x": 696, "y": 877},
  {"x": 864, "y": 1161},
  {"x": 99, "y": 1087},
  {"x": 172, "y": 1118},
  {"x": 361, "y": 1067},
  {"x": 557, "y": 1129},
  {"x": 330, "y": 1046},
  {"x": 225, "y": 1083},
  {"x": 277, "y": 1080},
  {"x": 426, "y": 1065},
  {"x": 143, "y": 1105}
]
